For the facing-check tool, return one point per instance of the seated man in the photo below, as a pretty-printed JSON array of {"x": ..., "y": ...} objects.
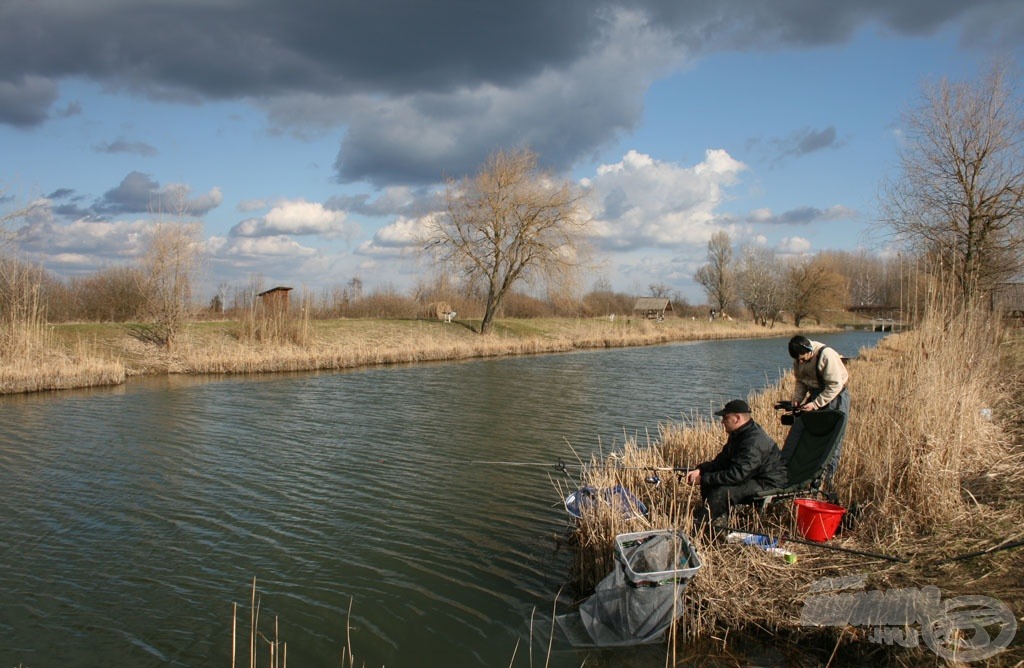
[{"x": 749, "y": 462}]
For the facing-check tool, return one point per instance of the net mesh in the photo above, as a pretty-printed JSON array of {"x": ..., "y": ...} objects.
[{"x": 642, "y": 596}]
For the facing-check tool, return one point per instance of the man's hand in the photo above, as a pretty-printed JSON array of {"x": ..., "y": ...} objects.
[
  {"x": 808, "y": 407},
  {"x": 693, "y": 477}
]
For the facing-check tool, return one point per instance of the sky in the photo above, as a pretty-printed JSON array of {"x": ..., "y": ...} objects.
[{"x": 312, "y": 138}]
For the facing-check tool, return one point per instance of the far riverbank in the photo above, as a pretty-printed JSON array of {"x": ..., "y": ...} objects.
[{"x": 89, "y": 355}]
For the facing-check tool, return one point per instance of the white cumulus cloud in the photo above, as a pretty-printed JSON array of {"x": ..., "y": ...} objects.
[
  {"x": 643, "y": 202},
  {"x": 794, "y": 246},
  {"x": 295, "y": 217}
]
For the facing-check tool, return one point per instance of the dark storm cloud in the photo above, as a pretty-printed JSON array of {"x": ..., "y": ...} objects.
[
  {"x": 424, "y": 89},
  {"x": 234, "y": 48},
  {"x": 25, "y": 100},
  {"x": 743, "y": 25},
  {"x": 139, "y": 193}
]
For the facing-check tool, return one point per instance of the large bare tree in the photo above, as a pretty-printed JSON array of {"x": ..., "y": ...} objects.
[
  {"x": 511, "y": 222},
  {"x": 960, "y": 196},
  {"x": 760, "y": 284},
  {"x": 717, "y": 276},
  {"x": 168, "y": 269}
]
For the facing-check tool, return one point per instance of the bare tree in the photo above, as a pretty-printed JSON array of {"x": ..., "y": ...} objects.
[
  {"x": 814, "y": 287},
  {"x": 509, "y": 223},
  {"x": 760, "y": 284},
  {"x": 960, "y": 196},
  {"x": 717, "y": 275},
  {"x": 660, "y": 290},
  {"x": 168, "y": 268},
  {"x": 6, "y": 236}
]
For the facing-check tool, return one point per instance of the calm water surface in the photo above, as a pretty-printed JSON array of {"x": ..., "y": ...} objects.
[{"x": 134, "y": 517}]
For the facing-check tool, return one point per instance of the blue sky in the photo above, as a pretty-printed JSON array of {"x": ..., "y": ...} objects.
[{"x": 311, "y": 139}]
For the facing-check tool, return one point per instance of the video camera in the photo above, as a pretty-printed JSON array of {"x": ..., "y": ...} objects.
[{"x": 791, "y": 411}]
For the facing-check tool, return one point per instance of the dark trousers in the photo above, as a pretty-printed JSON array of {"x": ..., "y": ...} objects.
[
  {"x": 718, "y": 498},
  {"x": 840, "y": 403}
]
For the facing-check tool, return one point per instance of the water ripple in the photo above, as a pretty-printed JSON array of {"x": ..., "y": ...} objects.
[{"x": 135, "y": 516}]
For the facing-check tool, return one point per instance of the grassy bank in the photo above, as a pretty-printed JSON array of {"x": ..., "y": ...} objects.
[
  {"x": 931, "y": 472},
  {"x": 101, "y": 354}
]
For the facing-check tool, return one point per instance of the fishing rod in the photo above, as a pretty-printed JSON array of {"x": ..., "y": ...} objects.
[
  {"x": 980, "y": 553},
  {"x": 562, "y": 467},
  {"x": 790, "y": 539}
]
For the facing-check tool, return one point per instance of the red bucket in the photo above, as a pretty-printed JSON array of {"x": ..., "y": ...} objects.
[{"x": 817, "y": 520}]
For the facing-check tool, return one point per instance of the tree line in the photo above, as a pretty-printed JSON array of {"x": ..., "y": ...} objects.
[
  {"x": 750, "y": 280},
  {"x": 953, "y": 212},
  {"x": 512, "y": 241}
]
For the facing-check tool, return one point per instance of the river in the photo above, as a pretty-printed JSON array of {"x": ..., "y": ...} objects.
[{"x": 134, "y": 517}]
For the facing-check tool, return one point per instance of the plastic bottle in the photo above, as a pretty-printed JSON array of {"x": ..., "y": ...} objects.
[{"x": 769, "y": 545}]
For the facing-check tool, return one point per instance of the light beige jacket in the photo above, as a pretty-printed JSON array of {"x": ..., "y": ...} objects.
[{"x": 834, "y": 376}]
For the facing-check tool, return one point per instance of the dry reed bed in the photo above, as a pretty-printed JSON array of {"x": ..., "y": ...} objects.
[
  {"x": 59, "y": 374},
  {"x": 431, "y": 341},
  {"x": 38, "y": 360},
  {"x": 931, "y": 475},
  {"x": 31, "y": 361}
]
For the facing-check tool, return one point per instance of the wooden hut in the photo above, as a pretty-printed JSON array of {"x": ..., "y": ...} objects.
[
  {"x": 1008, "y": 302},
  {"x": 275, "y": 300},
  {"x": 652, "y": 308}
]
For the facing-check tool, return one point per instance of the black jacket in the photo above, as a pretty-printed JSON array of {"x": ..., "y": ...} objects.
[{"x": 749, "y": 454}]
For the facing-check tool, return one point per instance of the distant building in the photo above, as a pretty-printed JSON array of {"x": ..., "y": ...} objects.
[
  {"x": 275, "y": 300},
  {"x": 1008, "y": 301},
  {"x": 652, "y": 308}
]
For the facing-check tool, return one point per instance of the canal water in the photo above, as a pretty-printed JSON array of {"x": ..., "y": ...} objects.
[{"x": 134, "y": 517}]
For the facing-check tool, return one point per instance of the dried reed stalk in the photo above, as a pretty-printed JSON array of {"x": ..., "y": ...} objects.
[{"x": 917, "y": 448}]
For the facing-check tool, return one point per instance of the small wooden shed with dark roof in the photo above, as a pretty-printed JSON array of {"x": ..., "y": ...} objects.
[
  {"x": 652, "y": 308},
  {"x": 1008, "y": 301},
  {"x": 275, "y": 300}
]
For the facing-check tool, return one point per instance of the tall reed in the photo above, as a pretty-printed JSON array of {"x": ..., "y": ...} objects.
[
  {"x": 258, "y": 641},
  {"x": 919, "y": 448},
  {"x": 30, "y": 358}
]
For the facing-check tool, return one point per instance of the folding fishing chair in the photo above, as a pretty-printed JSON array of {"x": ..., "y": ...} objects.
[{"x": 807, "y": 459}]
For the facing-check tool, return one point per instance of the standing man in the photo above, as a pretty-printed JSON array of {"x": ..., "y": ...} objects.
[
  {"x": 821, "y": 377},
  {"x": 748, "y": 463},
  {"x": 821, "y": 382}
]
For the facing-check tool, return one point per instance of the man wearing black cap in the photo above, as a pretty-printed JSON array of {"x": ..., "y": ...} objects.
[
  {"x": 748, "y": 463},
  {"x": 820, "y": 376},
  {"x": 821, "y": 381}
]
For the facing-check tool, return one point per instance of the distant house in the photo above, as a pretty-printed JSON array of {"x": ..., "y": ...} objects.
[
  {"x": 1008, "y": 301},
  {"x": 652, "y": 308},
  {"x": 275, "y": 300}
]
